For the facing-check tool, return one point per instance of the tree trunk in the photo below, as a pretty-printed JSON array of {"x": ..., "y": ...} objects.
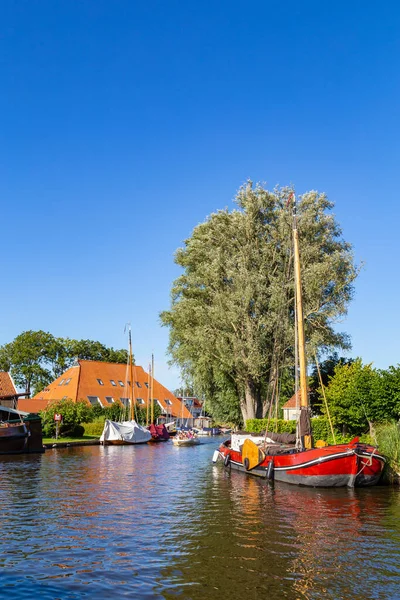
[{"x": 251, "y": 405}]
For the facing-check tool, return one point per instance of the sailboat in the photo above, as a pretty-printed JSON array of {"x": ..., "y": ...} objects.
[
  {"x": 292, "y": 458},
  {"x": 158, "y": 433},
  {"x": 126, "y": 432}
]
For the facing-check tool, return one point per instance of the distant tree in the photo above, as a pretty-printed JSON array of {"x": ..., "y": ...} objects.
[
  {"x": 26, "y": 358},
  {"x": 36, "y": 358},
  {"x": 327, "y": 371},
  {"x": 359, "y": 396}
]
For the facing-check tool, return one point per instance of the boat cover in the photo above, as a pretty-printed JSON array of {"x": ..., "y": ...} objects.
[{"x": 129, "y": 432}]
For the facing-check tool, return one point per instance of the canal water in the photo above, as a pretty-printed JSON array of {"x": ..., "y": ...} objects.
[{"x": 156, "y": 521}]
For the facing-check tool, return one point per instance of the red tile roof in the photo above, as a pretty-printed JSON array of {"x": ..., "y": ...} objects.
[
  {"x": 7, "y": 387},
  {"x": 292, "y": 403},
  {"x": 83, "y": 380}
]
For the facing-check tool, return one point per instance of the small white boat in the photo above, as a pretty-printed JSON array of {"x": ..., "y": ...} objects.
[{"x": 185, "y": 441}]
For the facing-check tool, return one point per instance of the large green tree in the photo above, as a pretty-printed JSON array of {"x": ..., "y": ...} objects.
[{"x": 231, "y": 319}]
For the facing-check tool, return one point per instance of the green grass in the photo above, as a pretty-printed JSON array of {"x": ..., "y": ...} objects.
[
  {"x": 60, "y": 440},
  {"x": 388, "y": 436}
]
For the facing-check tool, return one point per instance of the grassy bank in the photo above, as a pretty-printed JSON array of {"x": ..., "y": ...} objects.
[{"x": 64, "y": 440}]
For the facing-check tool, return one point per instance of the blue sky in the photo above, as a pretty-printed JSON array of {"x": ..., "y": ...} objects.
[{"x": 124, "y": 124}]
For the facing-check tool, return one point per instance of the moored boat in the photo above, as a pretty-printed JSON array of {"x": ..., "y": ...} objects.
[
  {"x": 126, "y": 432},
  {"x": 20, "y": 432},
  {"x": 179, "y": 440},
  {"x": 123, "y": 433},
  {"x": 158, "y": 433},
  {"x": 353, "y": 464}
]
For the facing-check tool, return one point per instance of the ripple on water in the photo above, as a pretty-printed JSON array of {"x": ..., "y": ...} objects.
[{"x": 160, "y": 522}]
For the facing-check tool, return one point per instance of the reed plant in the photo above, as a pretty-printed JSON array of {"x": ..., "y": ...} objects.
[{"x": 388, "y": 439}]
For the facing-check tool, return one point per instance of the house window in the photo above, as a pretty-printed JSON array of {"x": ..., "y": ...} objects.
[
  {"x": 67, "y": 381},
  {"x": 113, "y": 382},
  {"x": 109, "y": 399},
  {"x": 121, "y": 383},
  {"x": 140, "y": 400},
  {"x": 125, "y": 401},
  {"x": 99, "y": 381},
  {"x": 94, "y": 400},
  {"x": 146, "y": 384},
  {"x": 138, "y": 384},
  {"x": 159, "y": 404},
  {"x": 61, "y": 382},
  {"x": 168, "y": 401}
]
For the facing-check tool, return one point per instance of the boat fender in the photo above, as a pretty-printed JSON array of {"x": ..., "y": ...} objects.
[
  {"x": 246, "y": 463},
  {"x": 227, "y": 460},
  {"x": 270, "y": 470}
]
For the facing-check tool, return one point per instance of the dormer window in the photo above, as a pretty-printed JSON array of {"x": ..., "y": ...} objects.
[
  {"x": 113, "y": 382},
  {"x": 99, "y": 381},
  {"x": 61, "y": 382},
  {"x": 138, "y": 384},
  {"x": 121, "y": 383},
  {"x": 146, "y": 384},
  {"x": 67, "y": 381}
]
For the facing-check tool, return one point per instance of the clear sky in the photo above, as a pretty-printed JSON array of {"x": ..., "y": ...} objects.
[{"x": 124, "y": 124}]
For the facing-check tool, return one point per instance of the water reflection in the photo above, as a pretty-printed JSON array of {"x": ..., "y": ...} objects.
[{"x": 160, "y": 522}]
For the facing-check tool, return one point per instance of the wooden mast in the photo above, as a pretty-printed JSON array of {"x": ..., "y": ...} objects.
[
  {"x": 300, "y": 323},
  {"x": 148, "y": 397},
  {"x": 131, "y": 375},
  {"x": 152, "y": 390}
]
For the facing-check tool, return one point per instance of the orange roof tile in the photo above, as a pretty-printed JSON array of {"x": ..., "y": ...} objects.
[
  {"x": 106, "y": 381},
  {"x": 7, "y": 387},
  {"x": 292, "y": 402}
]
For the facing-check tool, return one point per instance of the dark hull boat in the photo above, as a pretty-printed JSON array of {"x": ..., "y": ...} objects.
[
  {"x": 352, "y": 465},
  {"x": 13, "y": 438}
]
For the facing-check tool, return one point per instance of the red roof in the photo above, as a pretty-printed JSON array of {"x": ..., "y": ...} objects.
[
  {"x": 292, "y": 403},
  {"x": 7, "y": 387},
  {"x": 108, "y": 382}
]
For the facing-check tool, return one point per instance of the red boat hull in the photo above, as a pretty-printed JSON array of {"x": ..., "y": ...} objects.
[{"x": 352, "y": 465}]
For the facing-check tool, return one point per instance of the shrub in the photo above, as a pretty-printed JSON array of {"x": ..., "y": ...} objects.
[
  {"x": 95, "y": 428},
  {"x": 73, "y": 413},
  {"x": 277, "y": 425}
]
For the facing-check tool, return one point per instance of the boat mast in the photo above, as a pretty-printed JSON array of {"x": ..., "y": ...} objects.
[
  {"x": 152, "y": 390},
  {"x": 131, "y": 373},
  {"x": 300, "y": 328},
  {"x": 148, "y": 397}
]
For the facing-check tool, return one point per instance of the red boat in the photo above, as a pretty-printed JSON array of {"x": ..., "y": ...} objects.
[
  {"x": 352, "y": 464},
  {"x": 159, "y": 433}
]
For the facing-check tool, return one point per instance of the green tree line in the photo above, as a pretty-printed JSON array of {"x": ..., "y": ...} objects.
[{"x": 36, "y": 358}]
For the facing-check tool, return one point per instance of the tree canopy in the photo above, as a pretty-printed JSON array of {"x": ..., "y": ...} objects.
[
  {"x": 358, "y": 395},
  {"x": 36, "y": 358},
  {"x": 231, "y": 318}
]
